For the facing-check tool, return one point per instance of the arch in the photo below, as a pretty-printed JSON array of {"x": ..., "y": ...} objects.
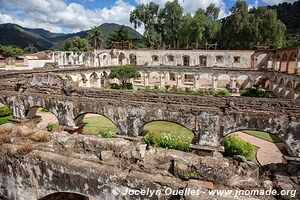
[
  {"x": 42, "y": 117},
  {"x": 69, "y": 78},
  {"x": 223, "y": 81},
  {"x": 132, "y": 59},
  {"x": 205, "y": 81},
  {"x": 157, "y": 128},
  {"x": 291, "y": 63},
  {"x": 65, "y": 196},
  {"x": 172, "y": 76},
  {"x": 243, "y": 81},
  {"x": 188, "y": 79},
  {"x": 104, "y": 79},
  {"x": 94, "y": 79},
  {"x": 265, "y": 143},
  {"x": 105, "y": 122},
  {"x": 139, "y": 78},
  {"x": 154, "y": 79}
]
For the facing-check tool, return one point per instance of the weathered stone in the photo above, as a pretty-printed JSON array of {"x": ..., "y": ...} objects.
[
  {"x": 107, "y": 155},
  {"x": 239, "y": 158},
  {"x": 268, "y": 184}
]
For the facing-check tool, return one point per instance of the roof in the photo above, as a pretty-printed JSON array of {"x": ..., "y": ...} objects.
[{"x": 41, "y": 55}]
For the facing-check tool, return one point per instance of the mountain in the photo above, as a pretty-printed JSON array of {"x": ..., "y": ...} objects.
[{"x": 13, "y": 34}]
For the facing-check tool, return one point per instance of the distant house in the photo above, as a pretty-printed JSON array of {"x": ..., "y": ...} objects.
[{"x": 38, "y": 59}]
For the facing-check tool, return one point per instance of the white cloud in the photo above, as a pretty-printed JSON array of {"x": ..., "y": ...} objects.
[
  {"x": 272, "y": 2},
  {"x": 56, "y": 15}
]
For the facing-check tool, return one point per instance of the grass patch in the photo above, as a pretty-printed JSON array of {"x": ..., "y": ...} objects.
[
  {"x": 99, "y": 124},
  {"x": 264, "y": 135},
  {"x": 168, "y": 135}
]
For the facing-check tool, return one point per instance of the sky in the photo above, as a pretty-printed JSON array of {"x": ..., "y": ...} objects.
[{"x": 70, "y": 16}]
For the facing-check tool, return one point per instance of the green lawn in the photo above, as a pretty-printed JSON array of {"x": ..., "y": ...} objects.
[
  {"x": 263, "y": 135},
  {"x": 97, "y": 124},
  {"x": 168, "y": 135}
]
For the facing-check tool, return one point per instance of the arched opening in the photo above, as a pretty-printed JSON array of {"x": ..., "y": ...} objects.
[
  {"x": 94, "y": 124},
  {"x": 82, "y": 80},
  {"x": 243, "y": 81},
  {"x": 223, "y": 81},
  {"x": 154, "y": 79},
  {"x": 138, "y": 79},
  {"x": 188, "y": 80},
  {"x": 94, "y": 79},
  {"x": 205, "y": 81},
  {"x": 44, "y": 118},
  {"x": 154, "y": 58},
  {"x": 65, "y": 196},
  {"x": 69, "y": 78},
  {"x": 167, "y": 135},
  {"x": 170, "y": 58},
  {"x": 267, "y": 148},
  {"x": 132, "y": 59}
]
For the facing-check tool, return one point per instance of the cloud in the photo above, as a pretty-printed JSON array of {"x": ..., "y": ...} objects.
[
  {"x": 56, "y": 15},
  {"x": 272, "y": 2}
]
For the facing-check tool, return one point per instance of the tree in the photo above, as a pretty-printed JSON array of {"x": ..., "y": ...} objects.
[
  {"x": 124, "y": 74},
  {"x": 244, "y": 30},
  {"x": 170, "y": 18},
  {"x": 11, "y": 51},
  {"x": 146, "y": 15},
  {"x": 77, "y": 44},
  {"x": 95, "y": 37},
  {"x": 120, "y": 35},
  {"x": 31, "y": 49}
]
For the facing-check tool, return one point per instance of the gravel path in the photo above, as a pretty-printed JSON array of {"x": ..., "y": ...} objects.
[{"x": 268, "y": 152}]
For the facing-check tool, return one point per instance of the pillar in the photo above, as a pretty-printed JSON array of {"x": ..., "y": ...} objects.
[
  {"x": 146, "y": 80},
  {"x": 162, "y": 81},
  {"x": 214, "y": 82},
  {"x": 233, "y": 87},
  {"x": 179, "y": 81},
  {"x": 196, "y": 82}
]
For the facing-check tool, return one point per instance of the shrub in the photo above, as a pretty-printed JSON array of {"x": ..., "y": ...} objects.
[
  {"x": 4, "y": 111},
  {"x": 255, "y": 91},
  {"x": 223, "y": 93},
  {"x": 127, "y": 86},
  {"x": 5, "y": 120},
  {"x": 115, "y": 86},
  {"x": 236, "y": 146},
  {"x": 169, "y": 141},
  {"x": 50, "y": 126},
  {"x": 107, "y": 134}
]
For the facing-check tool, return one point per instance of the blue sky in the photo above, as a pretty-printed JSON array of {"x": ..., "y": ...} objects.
[{"x": 77, "y": 15}]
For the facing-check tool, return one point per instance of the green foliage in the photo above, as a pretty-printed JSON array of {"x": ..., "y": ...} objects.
[
  {"x": 221, "y": 92},
  {"x": 50, "y": 126},
  {"x": 31, "y": 49},
  {"x": 244, "y": 30},
  {"x": 4, "y": 111},
  {"x": 124, "y": 74},
  {"x": 107, "y": 134},
  {"x": 255, "y": 91},
  {"x": 95, "y": 37},
  {"x": 98, "y": 125},
  {"x": 236, "y": 146},
  {"x": 264, "y": 135},
  {"x": 43, "y": 110},
  {"x": 77, "y": 44},
  {"x": 11, "y": 51},
  {"x": 120, "y": 35},
  {"x": 169, "y": 141},
  {"x": 5, "y": 115},
  {"x": 168, "y": 135}
]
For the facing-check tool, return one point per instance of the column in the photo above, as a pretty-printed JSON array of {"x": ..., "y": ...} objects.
[
  {"x": 179, "y": 81},
  {"x": 162, "y": 81},
  {"x": 233, "y": 85},
  {"x": 214, "y": 82},
  {"x": 196, "y": 81},
  {"x": 99, "y": 80},
  {"x": 146, "y": 80}
]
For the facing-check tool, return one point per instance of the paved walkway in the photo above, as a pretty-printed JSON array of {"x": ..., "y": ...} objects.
[{"x": 268, "y": 152}]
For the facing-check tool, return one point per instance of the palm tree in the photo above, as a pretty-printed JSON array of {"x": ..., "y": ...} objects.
[{"x": 95, "y": 36}]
